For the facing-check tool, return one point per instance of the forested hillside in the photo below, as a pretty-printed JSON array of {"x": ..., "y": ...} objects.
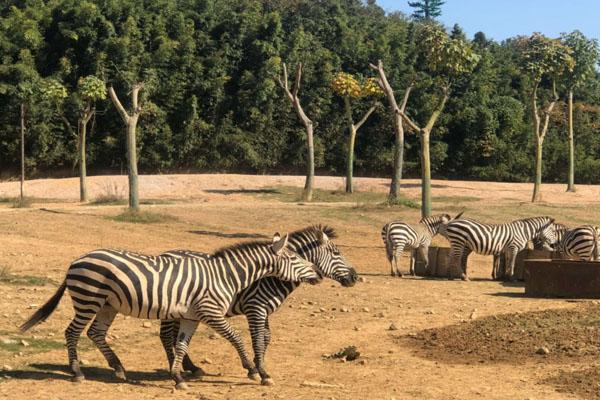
[{"x": 211, "y": 101}]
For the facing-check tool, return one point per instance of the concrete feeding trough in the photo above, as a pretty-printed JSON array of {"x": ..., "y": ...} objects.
[
  {"x": 562, "y": 278},
  {"x": 522, "y": 257},
  {"x": 438, "y": 262}
]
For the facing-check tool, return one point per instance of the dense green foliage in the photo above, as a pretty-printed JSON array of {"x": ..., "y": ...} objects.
[{"x": 211, "y": 101}]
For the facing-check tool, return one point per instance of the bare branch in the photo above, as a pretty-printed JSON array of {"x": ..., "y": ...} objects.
[
  {"x": 411, "y": 124},
  {"x": 366, "y": 116},
  {"x": 406, "y": 96},
  {"x": 284, "y": 83},
  {"x": 297, "y": 80},
  {"x": 118, "y": 105},
  {"x": 134, "y": 97},
  {"x": 438, "y": 111}
]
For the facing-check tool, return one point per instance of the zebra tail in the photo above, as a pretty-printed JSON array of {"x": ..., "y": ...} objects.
[{"x": 44, "y": 312}]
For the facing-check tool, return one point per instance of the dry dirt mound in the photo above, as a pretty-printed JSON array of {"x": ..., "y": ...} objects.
[
  {"x": 585, "y": 383},
  {"x": 551, "y": 336}
]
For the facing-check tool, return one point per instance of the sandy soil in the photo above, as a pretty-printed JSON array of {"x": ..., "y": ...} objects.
[{"x": 38, "y": 243}]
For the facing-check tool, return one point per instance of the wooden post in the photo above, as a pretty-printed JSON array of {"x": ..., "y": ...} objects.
[{"x": 22, "y": 186}]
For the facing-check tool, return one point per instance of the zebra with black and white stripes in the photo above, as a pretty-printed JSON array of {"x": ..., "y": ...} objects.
[
  {"x": 466, "y": 236},
  {"x": 103, "y": 283},
  {"x": 580, "y": 243},
  {"x": 265, "y": 296},
  {"x": 398, "y": 236}
]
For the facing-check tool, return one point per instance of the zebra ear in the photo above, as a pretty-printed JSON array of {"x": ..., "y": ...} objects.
[
  {"x": 276, "y": 237},
  {"x": 280, "y": 244}
]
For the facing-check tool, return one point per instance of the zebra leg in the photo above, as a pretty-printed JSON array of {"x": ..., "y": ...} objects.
[
  {"x": 223, "y": 328},
  {"x": 267, "y": 334},
  {"x": 168, "y": 332},
  {"x": 72, "y": 334},
  {"x": 424, "y": 252},
  {"x": 455, "y": 261},
  {"x": 509, "y": 256},
  {"x": 186, "y": 331},
  {"x": 97, "y": 333},
  {"x": 257, "y": 324}
]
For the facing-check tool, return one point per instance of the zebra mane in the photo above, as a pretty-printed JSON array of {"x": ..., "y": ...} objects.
[
  {"x": 257, "y": 244},
  {"x": 329, "y": 231}
]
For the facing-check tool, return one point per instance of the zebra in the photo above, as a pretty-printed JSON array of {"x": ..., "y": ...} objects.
[
  {"x": 466, "y": 236},
  {"x": 398, "y": 235},
  {"x": 104, "y": 282},
  {"x": 265, "y": 296},
  {"x": 580, "y": 243}
]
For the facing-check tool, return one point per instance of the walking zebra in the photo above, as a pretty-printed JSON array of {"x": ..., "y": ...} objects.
[
  {"x": 103, "y": 283},
  {"x": 398, "y": 236},
  {"x": 580, "y": 243},
  {"x": 466, "y": 236},
  {"x": 265, "y": 296}
]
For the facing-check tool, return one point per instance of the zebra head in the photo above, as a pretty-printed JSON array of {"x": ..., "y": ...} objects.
[
  {"x": 289, "y": 266},
  {"x": 314, "y": 243},
  {"x": 550, "y": 237},
  {"x": 540, "y": 229},
  {"x": 437, "y": 223}
]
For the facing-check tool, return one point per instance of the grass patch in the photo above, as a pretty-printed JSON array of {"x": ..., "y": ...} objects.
[
  {"x": 22, "y": 202},
  {"x": 291, "y": 194},
  {"x": 454, "y": 199},
  {"x": 13, "y": 344},
  {"x": 111, "y": 201},
  {"x": 8, "y": 278},
  {"x": 143, "y": 217}
]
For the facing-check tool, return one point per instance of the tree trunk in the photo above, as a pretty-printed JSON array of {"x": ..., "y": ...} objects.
[
  {"x": 82, "y": 161},
  {"x": 425, "y": 176},
  {"x": 22, "y": 186},
  {"x": 134, "y": 202},
  {"x": 571, "y": 182},
  {"x": 350, "y": 159},
  {"x": 537, "y": 196},
  {"x": 398, "y": 159},
  {"x": 310, "y": 164}
]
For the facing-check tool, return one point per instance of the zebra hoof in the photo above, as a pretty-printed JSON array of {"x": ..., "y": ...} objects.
[
  {"x": 181, "y": 386},
  {"x": 464, "y": 277},
  {"x": 78, "y": 378},
  {"x": 198, "y": 373},
  {"x": 120, "y": 375},
  {"x": 254, "y": 376},
  {"x": 267, "y": 382}
]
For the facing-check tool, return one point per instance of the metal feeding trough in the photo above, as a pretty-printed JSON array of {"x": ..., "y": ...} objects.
[
  {"x": 522, "y": 257},
  {"x": 562, "y": 278},
  {"x": 438, "y": 262}
]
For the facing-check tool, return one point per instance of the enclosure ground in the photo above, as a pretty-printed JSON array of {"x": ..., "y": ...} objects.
[{"x": 204, "y": 212}]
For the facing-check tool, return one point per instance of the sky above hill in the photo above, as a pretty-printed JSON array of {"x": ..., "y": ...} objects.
[{"x": 501, "y": 19}]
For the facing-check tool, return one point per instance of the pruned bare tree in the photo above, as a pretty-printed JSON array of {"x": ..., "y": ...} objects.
[
  {"x": 397, "y": 112},
  {"x": 131, "y": 120},
  {"x": 292, "y": 96}
]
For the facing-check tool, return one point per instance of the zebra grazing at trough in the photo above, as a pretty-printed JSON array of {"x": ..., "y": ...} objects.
[
  {"x": 580, "y": 243},
  {"x": 265, "y": 296},
  {"x": 103, "y": 283},
  {"x": 398, "y": 236},
  {"x": 466, "y": 236}
]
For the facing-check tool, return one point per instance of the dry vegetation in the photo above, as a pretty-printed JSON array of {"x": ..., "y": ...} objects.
[{"x": 208, "y": 211}]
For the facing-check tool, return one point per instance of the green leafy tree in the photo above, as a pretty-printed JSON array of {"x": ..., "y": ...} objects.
[
  {"x": 426, "y": 9},
  {"x": 585, "y": 53},
  {"x": 446, "y": 60},
  {"x": 541, "y": 58},
  {"x": 349, "y": 88}
]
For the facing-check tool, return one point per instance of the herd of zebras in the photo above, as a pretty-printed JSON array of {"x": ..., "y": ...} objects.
[{"x": 183, "y": 288}]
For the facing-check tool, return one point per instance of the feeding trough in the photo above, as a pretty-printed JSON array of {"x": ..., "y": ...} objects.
[
  {"x": 562, "y": 278},
  {"x": 438, "y": 262},
  {"x": 522, "y": 257}
]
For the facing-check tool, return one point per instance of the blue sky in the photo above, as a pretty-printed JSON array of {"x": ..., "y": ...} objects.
[{"x": 501, "y": 19}]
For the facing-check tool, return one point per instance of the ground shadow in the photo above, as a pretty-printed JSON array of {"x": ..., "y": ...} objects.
[
  {"x": 418, "y": 185},
  {"x": 62, "y": 372},
  {"x": 237, "y": 235},
  {"x": 514, "y": 295},
  {"x": 242, "y": 191}
]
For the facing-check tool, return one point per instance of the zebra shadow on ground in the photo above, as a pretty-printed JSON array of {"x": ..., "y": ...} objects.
[
  {"x": 235, "y": 235},
  {"x": 44, "y": 371}
]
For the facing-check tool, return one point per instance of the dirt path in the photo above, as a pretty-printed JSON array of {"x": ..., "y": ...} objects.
[{"x": 38, "y": 245}]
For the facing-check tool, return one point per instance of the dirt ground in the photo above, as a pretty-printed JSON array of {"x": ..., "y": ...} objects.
[{"x": 208, "y": 211}]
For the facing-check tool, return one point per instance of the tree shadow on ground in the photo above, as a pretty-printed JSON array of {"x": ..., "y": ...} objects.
[
  {"x": 236, "y": 235},
  {"x": 243, "y": 191}
]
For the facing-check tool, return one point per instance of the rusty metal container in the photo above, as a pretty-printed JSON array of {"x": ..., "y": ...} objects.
[
  {"x": 525, "y": 255},
  {"x": 438, "y": 262},
  {"x": 562, "y": 278}
]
